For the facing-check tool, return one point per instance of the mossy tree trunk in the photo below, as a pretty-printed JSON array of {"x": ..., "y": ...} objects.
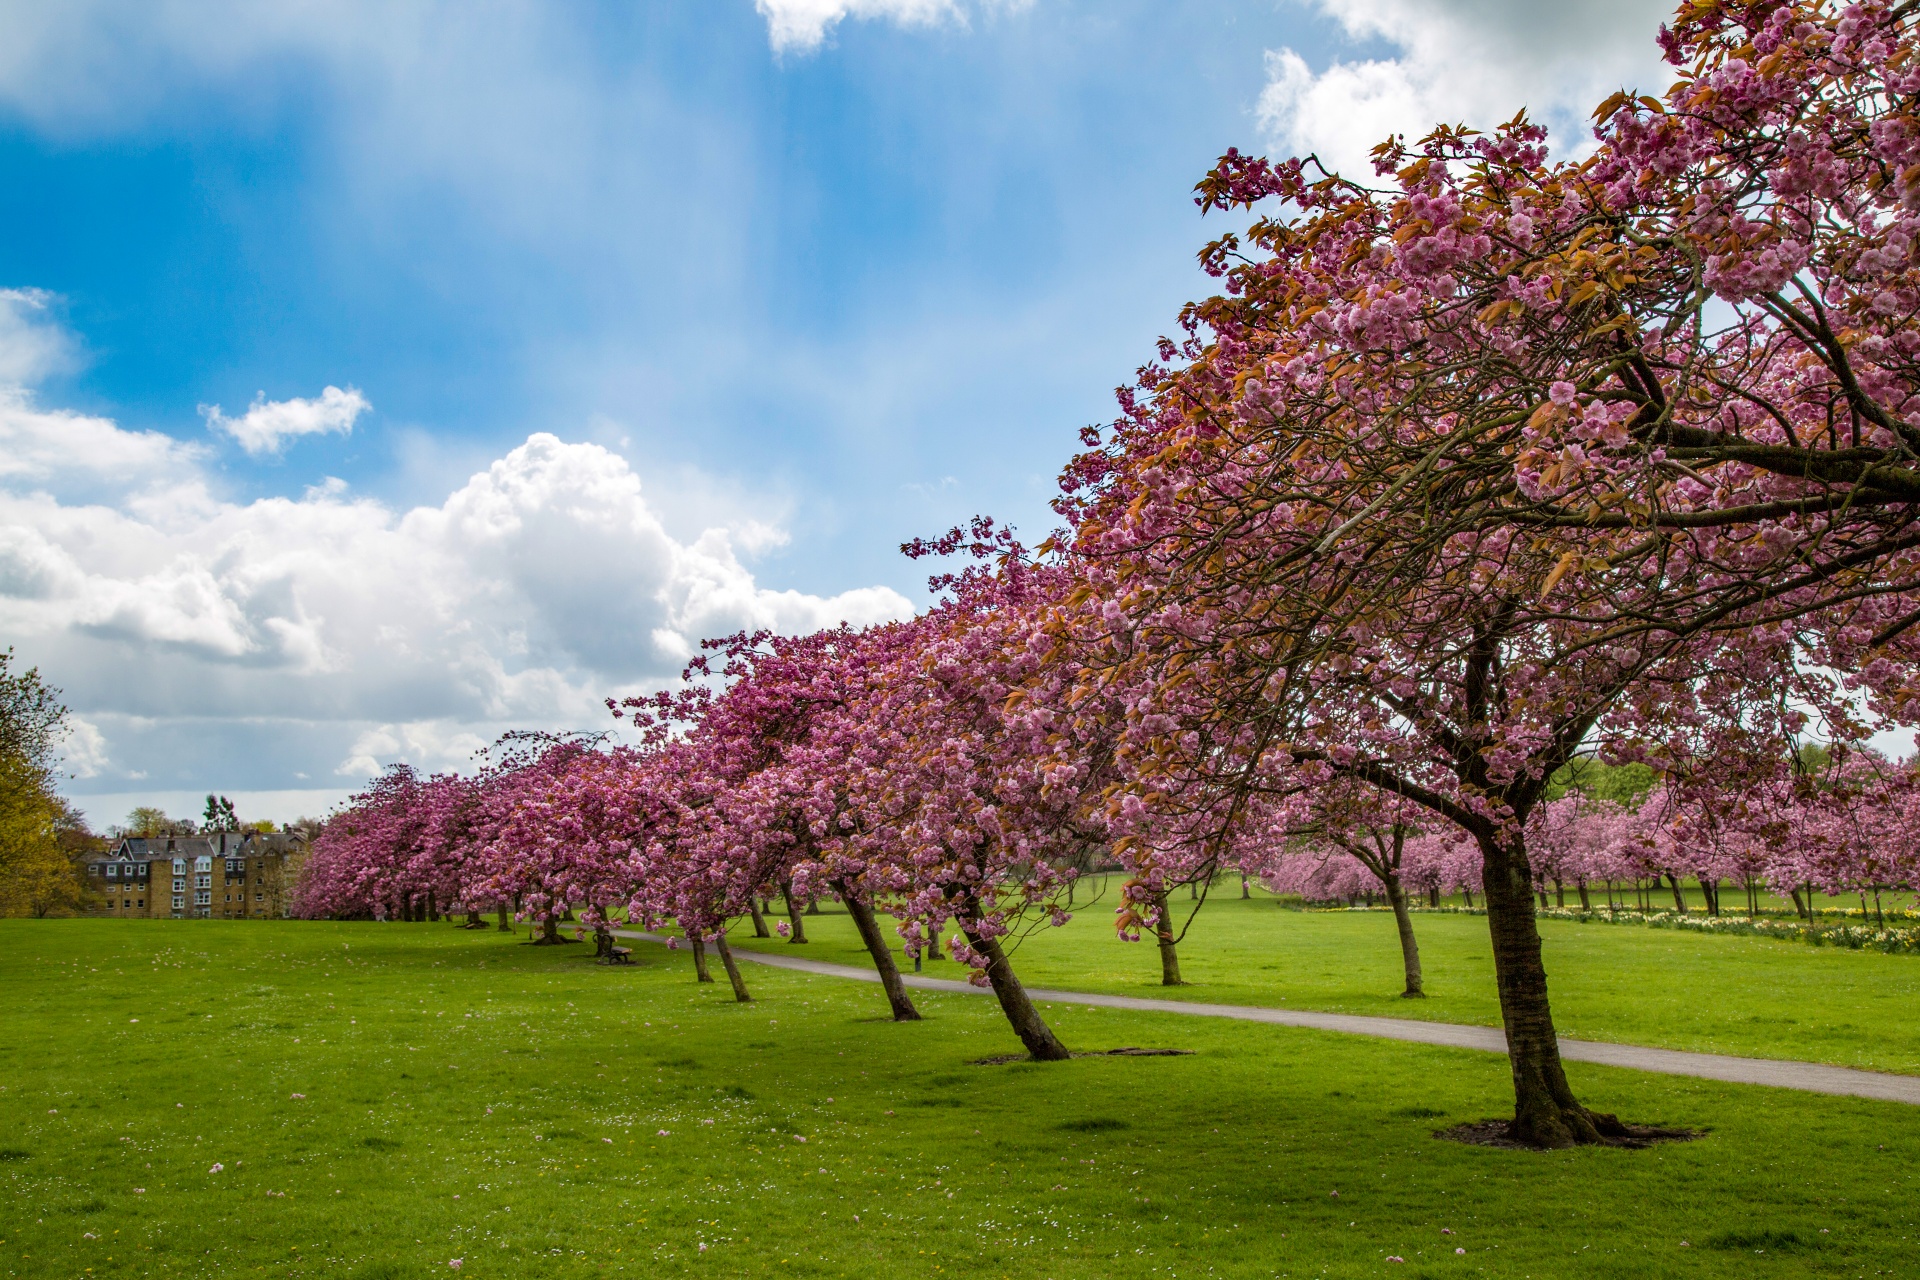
[
  {"x": 1546, "y": 1113},
  {"x": 876, "y": 943},
  {"x": 1169, "y": 948},
  {"x": 1041, "y": 1044},
  {"x": 732, "y": 967}
]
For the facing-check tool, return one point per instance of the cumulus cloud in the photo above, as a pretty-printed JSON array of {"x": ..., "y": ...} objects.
[
  {"x": 539, "y": 586},
  {"x": 803, "y": 25},
  {"x": 83, "y": 750},
  {"x": 267, "y": 425},
  {"x": 1471, "y": 61}
]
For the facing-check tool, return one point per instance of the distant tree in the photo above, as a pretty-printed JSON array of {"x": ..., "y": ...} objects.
[
  {"x": 219, "y": 816},
  {"x": 149, "y": 822},
  {"x": 1625, "y": 784}
]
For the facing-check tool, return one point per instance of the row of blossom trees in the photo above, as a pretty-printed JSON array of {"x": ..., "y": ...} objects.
[
  {"x": 1472, "y": 467},
  {"x": 903, "y": 769},
  {"x": 1851, "y": 830}
]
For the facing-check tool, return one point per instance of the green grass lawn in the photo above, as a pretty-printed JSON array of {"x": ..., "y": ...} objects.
[
  {"x": 1624, "y": 983},
  {"x": 470, "y": 1097}
]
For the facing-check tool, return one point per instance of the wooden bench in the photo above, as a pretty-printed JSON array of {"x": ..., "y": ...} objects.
[{"x": 619, "y": 955}]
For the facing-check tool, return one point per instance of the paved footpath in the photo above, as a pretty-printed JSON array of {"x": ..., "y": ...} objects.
[{"x": 1811, "y": 1077}]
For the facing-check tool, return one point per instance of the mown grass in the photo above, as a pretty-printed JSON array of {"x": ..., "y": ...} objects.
[
  {"x": 1623, "y": 983},
  {"x": 470, "y": 1097}
]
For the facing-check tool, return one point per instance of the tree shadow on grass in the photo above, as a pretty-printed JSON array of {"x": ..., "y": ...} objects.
[
  {"x": 1001, "y": 1060},
  {"x": 1494, "y": 1133}
]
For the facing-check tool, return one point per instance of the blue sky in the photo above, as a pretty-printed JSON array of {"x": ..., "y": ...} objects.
[{"x": 644, "y": 322}]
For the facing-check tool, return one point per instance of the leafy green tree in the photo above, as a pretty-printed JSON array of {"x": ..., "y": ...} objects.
[
  {"x": 37, "y": 875},
  {"x": 148, "y": 822},
  {"x": 1622, "y": 784}
]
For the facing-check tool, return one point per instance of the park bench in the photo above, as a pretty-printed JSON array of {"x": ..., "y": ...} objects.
[{"x": 618, "y": 955}]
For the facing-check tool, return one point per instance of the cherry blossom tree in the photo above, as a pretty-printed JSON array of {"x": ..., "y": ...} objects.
[{"x": 1467, "y": 472}]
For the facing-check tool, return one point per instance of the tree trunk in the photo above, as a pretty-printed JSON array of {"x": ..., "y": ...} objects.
[
  {"x": 699, "y": 956},
  {"x": 473, "y": 919},
  {"x": 869, "y": 927},
  {"x": 1559, "y": 893},
  {"x": 793, "y": 914},
  {"x": 1409, "y": 948},
  {"x": 1546, "y": 1114},
  {"x": 733, "y": 970},
  {"x": 505, "y": 927},
  {"x": 933, "y": 944},
  {"x": 813, "y": 906},
  {"x": 1246, "y": 890},
  {"x": 1026, "y": 1021},
  {"x": 760, "y": 929},
  {"x": 1433, "y": 897},
  {"x": 1710, "y": 894},
  {"x": 1469, "y": 896},
  {"x": 1679, "y": 900},
  {"x": 1586, "y": 904},
  {"x": 549, "y": 931},
  {"x": 602, "y": 944},
  {"x": 1163, "y": 934},
  {"x": 1802, "y": 909}
]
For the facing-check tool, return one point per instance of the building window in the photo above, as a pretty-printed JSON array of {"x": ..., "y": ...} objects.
[
  {"x": 112, "y": 871},
  {"x": 178, "y": 902},
  {"x": 259, "y": 897}
]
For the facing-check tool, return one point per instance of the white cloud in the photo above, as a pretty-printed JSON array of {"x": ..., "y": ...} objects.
[
  {"x": 31, "y": 344},
  {"x": 269, "y": 424},
  {"x": 803, "y": 25},
  {"x": 84, "y": 749},
  {"x": 51, "y": 448},
  {"x": 1471, "y": 61},
  {"x": 541, "y": 585},
  {"x": 428, "y": 744}
]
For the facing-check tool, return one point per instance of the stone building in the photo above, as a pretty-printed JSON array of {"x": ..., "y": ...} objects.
[{"x": 223, "y": 875}]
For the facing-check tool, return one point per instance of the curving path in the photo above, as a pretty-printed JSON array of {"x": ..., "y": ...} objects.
[{"x": 1810, "y": 1077}]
